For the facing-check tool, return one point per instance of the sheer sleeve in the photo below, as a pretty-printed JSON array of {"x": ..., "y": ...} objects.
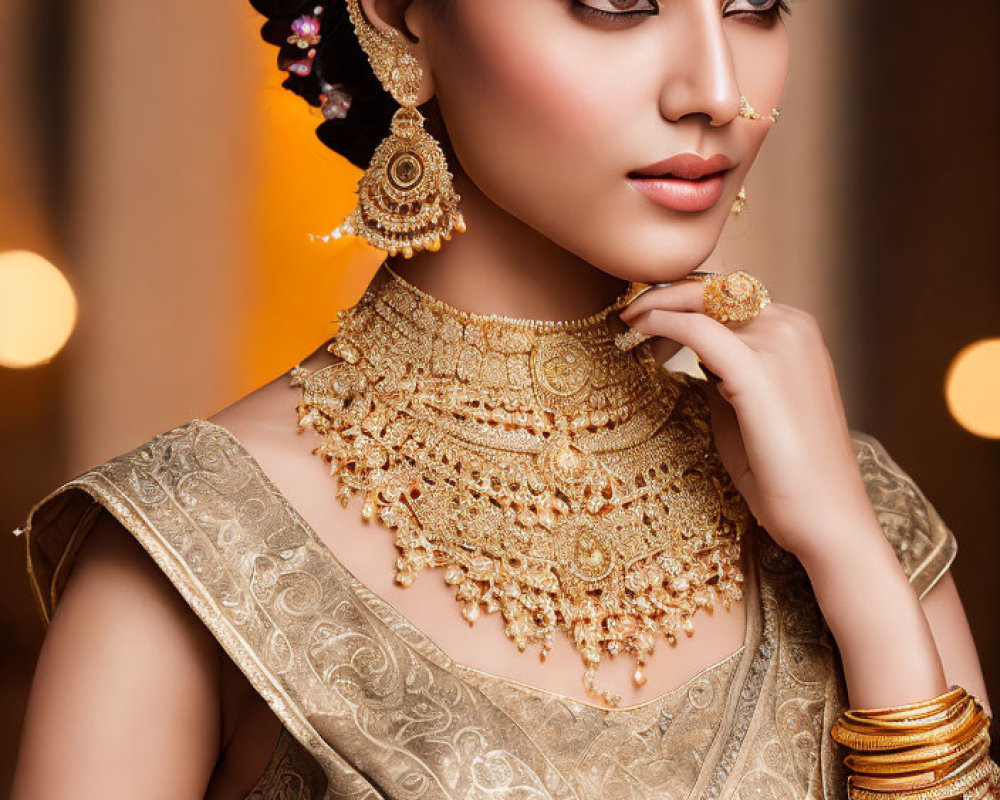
[{"x": 924, "y": 544}]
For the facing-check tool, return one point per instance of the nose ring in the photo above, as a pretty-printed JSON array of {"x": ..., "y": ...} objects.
[{"x": 747, "y": 111}]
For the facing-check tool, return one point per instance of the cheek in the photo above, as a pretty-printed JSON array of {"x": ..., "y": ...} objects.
[
  {"x": 761, "y": 72},
  {"x": 525, "y": 111},
  {"x": 546, "y": 118}
]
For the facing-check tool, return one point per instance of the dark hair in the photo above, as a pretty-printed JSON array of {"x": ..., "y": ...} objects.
[{"x": 339, "y": 59}]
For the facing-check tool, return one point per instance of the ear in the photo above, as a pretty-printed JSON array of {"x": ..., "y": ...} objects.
[{"x": 410, "y": 19}]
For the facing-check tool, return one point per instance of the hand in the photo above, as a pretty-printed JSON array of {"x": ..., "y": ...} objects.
[{"x": 776, "y": 414}]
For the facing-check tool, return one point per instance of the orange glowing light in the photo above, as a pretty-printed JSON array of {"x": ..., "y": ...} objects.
[
  {"x": 972, "y": 388},
  {"x": 38, "y": 309}
]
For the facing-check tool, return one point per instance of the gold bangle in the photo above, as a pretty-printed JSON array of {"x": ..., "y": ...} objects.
[
  {"x": 983, "y": 779},
  {"x": 939, "y": 765},
  {"x": 918, "y": 721},
  {"x": 934, "y": 749},
  {"x": 908, "y": 710},
  {"x": 973, "y": 762},
  {"x": 895, "y": 784},
  {"x": 953, "y": 733},
  {"x": 879, "y": 738},
  {"x": 985, "y": 772}
]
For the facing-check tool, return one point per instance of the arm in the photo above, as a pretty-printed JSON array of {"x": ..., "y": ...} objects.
[
  {"x": 924, "y": 640},
  {"x": 781, "y": 431},
  {"x": 953, "y": 637},
  {"x": 895, "y": 648},
  {"x": 885, "y": 641},
  {"x": 892, "y": 654},
  {"x": 125, "y": 698}
]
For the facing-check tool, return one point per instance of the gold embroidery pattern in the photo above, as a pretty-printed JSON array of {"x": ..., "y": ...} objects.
[
  {"x": 924, "y": 546},
  {"x": 657, "y": 751},
  {"x": 383, "y": 711},
  {"x": 557, "y": 480},
  {"x": 291, "y": 774}
]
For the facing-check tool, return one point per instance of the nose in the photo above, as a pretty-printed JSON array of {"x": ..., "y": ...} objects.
[{"x": 701, "y": 77}]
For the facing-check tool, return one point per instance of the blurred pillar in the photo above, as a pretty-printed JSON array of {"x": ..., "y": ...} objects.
[
  {"x": 31, "y": 433},
  {"x": 925, "y": 177},
  {"x": 301, "y": 187},
  {"x": 23, "y": 222},
  {"x": 160, "y": 197}
]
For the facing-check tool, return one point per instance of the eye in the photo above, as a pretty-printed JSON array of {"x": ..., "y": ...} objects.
[
  {"x": 617, "y": 8},
  {"x": 762, "y": 8}
]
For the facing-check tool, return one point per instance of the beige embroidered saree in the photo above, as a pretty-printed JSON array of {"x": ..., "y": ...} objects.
[{"x": 373, "y": 709}]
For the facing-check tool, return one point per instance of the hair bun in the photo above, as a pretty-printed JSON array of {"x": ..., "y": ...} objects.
[{"x": 339, "y": 59}]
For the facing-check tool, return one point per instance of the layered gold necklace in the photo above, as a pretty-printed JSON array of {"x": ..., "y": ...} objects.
[{"x": 556, "y": 479}]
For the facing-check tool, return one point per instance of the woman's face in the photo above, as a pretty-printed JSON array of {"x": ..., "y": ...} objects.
[{"x": 550, "y": 104}]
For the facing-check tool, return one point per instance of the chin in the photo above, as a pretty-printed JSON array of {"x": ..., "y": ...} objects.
[{"x": 661, "y": 256}]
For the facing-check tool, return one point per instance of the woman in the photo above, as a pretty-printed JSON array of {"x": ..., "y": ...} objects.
[{"x": 229, "y": 630}]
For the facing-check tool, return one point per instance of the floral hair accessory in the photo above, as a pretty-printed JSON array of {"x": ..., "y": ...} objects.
[
  {"x": 335, "y": 100},
  {"x": 305, "y": 34}
]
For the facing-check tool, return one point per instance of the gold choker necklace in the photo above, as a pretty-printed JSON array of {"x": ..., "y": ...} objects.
[{"x": 556, "y": 479}]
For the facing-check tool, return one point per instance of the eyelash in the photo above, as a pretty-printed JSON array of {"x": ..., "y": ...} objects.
[{"x": 777, "y": 9}]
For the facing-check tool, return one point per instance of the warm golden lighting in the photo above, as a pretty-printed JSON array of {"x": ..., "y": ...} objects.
[
  {"x": 972, "y": 388},
  {"x": 296, "y": 285},
  {"x": 37, "y": 309}
]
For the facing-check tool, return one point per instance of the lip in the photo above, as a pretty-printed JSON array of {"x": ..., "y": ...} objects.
[
  {"x": 684, "y": 182},
  {"x": 686, "y": 165}
]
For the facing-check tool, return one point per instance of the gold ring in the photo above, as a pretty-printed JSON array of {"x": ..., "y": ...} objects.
[{"x": 732, "y": 296}]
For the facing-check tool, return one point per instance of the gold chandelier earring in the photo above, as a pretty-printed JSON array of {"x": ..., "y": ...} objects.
[{"x": 406, "y": 200}]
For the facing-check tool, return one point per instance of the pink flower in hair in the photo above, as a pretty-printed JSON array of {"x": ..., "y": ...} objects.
[{"x": 305, "y": 30}]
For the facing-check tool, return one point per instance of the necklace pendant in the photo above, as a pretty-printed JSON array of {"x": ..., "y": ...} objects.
[{"x": 557, "y": 480}]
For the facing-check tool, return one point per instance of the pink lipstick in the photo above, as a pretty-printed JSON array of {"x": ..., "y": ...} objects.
[{"x": 684, "y": 182}]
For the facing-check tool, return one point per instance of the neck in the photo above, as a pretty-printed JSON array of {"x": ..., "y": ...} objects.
[{"x": 502, "y": 266}]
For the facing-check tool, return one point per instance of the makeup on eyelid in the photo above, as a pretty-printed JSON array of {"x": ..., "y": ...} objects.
[{"x": 765, "y": 14}]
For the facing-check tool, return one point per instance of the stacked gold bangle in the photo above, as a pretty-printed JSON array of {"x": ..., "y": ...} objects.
[{"x": 929, "y": 750}]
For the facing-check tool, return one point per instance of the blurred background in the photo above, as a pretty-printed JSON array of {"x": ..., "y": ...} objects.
[{"x": 157, "y": 185}]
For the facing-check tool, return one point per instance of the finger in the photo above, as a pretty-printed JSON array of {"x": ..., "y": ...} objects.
[
  {"x": 718, "y": 347},
  {"x": 685, "y": 295},
  {"x": 660, "y": 347}
]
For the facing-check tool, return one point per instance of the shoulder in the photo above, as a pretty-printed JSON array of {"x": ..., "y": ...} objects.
[
  {"x": 136, "y": 565},
  {"x": 923, "y": 542},
  {"x": 117, "y": 587},
  {"x": 264, "y": 419},
  {"x": 121, "y": 632},
  {"x": 157, "y": 490}
]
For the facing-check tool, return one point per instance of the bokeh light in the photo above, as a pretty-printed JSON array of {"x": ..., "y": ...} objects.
[
  {"x": 972, "y": 388},
  {"x": 38, "y": 309}
]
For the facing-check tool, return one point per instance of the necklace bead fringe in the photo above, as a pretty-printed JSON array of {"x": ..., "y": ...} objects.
[{"x": 554, "y": 478}]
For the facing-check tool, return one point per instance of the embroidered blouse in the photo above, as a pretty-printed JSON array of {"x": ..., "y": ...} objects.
[{"x": 372, "y": 709}]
